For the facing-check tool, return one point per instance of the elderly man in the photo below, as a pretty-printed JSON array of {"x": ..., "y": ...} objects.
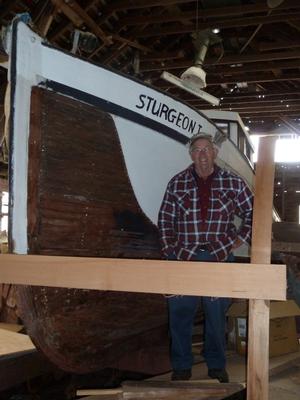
[{"x": 196, "y": 223}]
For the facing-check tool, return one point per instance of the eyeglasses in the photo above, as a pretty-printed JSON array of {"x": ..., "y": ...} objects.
[{"x": 198, "y": 150}]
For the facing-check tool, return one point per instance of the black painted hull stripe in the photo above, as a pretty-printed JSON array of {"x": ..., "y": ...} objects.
[{"x": 116, "y": 109}]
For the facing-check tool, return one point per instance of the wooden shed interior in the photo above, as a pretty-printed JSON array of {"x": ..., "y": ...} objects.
[{"x": 250, "y": 52}]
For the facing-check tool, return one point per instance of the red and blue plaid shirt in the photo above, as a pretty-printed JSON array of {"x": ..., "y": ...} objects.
[{"x": 182, "y": 230}]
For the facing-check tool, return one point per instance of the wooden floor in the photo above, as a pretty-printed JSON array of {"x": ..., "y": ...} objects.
[
  {"x": 284, "y": 370},
  {"x": 284, "y": 376}
]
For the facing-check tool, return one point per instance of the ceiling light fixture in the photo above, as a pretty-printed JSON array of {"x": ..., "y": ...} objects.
[{"x": 194, "y": 78}]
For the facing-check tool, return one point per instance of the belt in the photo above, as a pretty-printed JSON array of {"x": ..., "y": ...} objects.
[{"x": 204, "y": 247}]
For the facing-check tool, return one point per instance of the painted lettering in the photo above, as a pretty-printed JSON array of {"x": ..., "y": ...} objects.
[
  {"x": 161, "y": 110},
  {"x": 179, "y": 118},
  {"x": 141, "y": 97}
]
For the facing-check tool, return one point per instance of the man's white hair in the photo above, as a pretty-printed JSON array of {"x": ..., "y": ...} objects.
[{"x": 201, "y": 135}]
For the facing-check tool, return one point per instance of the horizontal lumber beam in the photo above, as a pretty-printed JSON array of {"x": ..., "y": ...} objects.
[{"x": 237, "y": 280}]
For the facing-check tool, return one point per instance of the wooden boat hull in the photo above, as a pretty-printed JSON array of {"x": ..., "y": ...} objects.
[
  {"x": 81, "y": 203},
  {"x": 91, "y": 154}
]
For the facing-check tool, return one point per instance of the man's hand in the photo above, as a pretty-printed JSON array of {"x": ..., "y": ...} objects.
[{"x": 237, "y": 243}]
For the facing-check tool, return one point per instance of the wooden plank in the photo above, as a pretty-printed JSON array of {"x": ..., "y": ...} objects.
[
  {"x": 259, "y": 310},
  {"x": 167, "y": 390},
  {"x": 3, "y": 185},
  {"x": 12, "y": 342},
  {"x": 286, "y": 247},
  {"x": 282, "y": 363},
  {"x": 11, "y": 327},
  {"x": 147, "y": 276}
]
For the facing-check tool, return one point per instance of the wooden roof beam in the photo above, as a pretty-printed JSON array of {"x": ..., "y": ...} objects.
[
  {"x": 267, "y": 93},
  {"x": 271, "y": 115},
  {"x": 239, "y": 104},
  {"x": 78, "y": 15},
  {"x": 130, "y": 5},
  {"x": 290, "y": 124},
  {"x": 236, "y": 96},
  {"x": 162, "y": 56},
  {"x": 46, "y": 18},
  {"x": 264, "y": 77},
  {"x": 206, "y": 13},
  {"x": 289, "y": 44},
  {"x": 276, "y": 112},
  {"x": 222, "y": 24},
  {"x": 265, "y": 66},
  {"x": 64, "y": 25},
  {"x": 124, "y": 5},
  {"x": 232, "y": 59}
]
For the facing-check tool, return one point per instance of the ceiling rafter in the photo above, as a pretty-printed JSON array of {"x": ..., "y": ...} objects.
[
  {"x": 231, "y": 59},
  {"x": 222, "y": 24},
  {"x": 205, "y": 13}
]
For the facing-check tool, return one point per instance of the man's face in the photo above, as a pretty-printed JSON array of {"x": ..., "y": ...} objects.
[{"x": 203, "y": 154}]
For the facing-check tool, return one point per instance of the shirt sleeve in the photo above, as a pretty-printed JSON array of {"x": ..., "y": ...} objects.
[
  {"x": 166, "y": 223},
  {"x": 244, "y": 210}
]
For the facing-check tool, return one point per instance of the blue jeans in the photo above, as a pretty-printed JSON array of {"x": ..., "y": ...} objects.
[{"x": 182, "y": 311}]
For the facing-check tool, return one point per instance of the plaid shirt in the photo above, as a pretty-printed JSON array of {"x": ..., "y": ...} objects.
[{"x": 182, "y": 232}]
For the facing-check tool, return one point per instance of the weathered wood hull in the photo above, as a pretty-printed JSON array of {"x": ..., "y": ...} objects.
[{"x": 81, "y": 203}]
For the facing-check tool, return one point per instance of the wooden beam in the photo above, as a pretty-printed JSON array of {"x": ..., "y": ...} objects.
[
  {"x": 130, "y": 5},
  {"x": 270, "y": 116},
  {"x": 3, "y": 185},
  {"x": 78, "y": 15},
  {"x": 243, "y": 104},
  {"x": 162, "y": 56},
  {"x": 233, "y": 59},
  {"x": 222, "y": 24},
  {"x": 266, "y": 93},
  {"x": 205, "y": 13},
  {"x": 275, "y": 110},
  {"x": 286, "y": 247},
  {"x": 46, "y": 20},
  {"x": 290, "y": 124},
  {"x": 147, "y": 276},
  {"x": 260, "y": 106},
  {"x": 259, "y": 310},
  {"x": 166, "y": 390},
  {"x": 282, "y": 44},
  {"x": 71, "y": 14},
  {"x": 64, "y": 25},
  {"x": 264, "y": 66}
]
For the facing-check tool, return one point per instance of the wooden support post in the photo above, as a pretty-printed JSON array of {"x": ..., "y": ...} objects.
[{"x": 259, "y": 310}]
